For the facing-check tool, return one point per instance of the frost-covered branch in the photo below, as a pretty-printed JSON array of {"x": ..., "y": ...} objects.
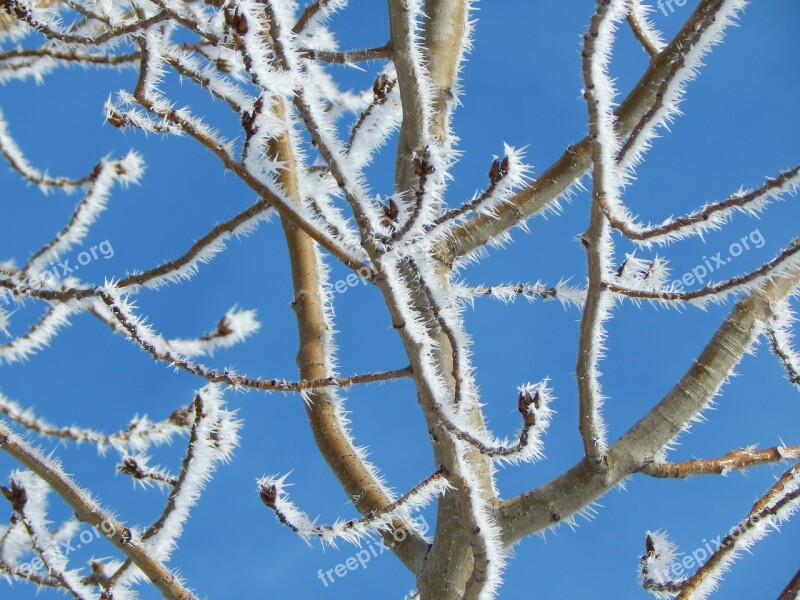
[
  {"x": 775, "y": 507},
  {"x": 488, "y": 554},
  {"x": 707, "y": 29},
  {"x": 710, "y": 217},
  {"x": 88, "y": 510},
  {"x": 656, "y": 565},
  {"x": 376, "y": 120},
  {"x": 736, "y": 460},
  {"x": 506, "y": 175},
  {"x": 347, "y": 57},
  {"x": 124, "y": 171},
  {"x": 38, "y": 336},
  {"x": 649, "y": 37},
  {"x": 16, "y": 159},
  {"x": 213, "y": 438},
  {"x": 534, "y": 407},
  {"x": 202, "y": 251},
  {"x": 274, "y": 495},
  {"x": 28, "y": 498},
  {"x": 781, "y": 338},
  {"x": 270, "y": 74},
  {"x": 344, "y": 171},
  {"x": 27, "y": 575},
  {"x": 537, "y": 509},
  {"x": 315, "y": 11},
  {"x": 142, "y": 334},
  {"x": 139, "y": 435},
  {"x": 599, "y": 93},
  {"x": 708, "y": 21},
  {"x": 21, "y": 10},
  {"x": 784, "y": 263},
  {"x": 567, "y": 295},
  {"x": 197, "y": 130}
]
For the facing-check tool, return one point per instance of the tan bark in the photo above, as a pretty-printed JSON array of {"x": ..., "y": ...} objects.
[
  {"x": 561, "y": 175},
  {"x": 448, "y": 566},
  {"x": 580, "y": 486},
  {"x": 334, "y": 443}
]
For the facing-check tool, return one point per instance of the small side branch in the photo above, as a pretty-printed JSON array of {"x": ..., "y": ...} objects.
[
  {"x": 781, "y": 338},
  {"x": 16, "y": 159},
  {"x": 137, "y": 468},
  {"x": 784, "y": 263},
  {"x": 89, "y": 511},
  {"x": 710, "y": 217},
  {"x": 567, "y": 295},
  {"x": 736, "y": 460},
  {"x": 792, "y": 589},
  {"x": 347, "y": 57},
  {"x": 158, "y": 348},
  {"x": 139, "y": 435},
  {"x": 777, "y": 505},
  {"x": 309, "y": 13},
  {"x": 606, "y": 180},
  {"x": 21, "y": 12},
  {"x": 643, "y": 29},
  {"x": 275, "y": 497},
  {"x": 214, "y": 436}
]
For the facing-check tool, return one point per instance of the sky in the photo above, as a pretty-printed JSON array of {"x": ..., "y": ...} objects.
[{"x": 522, "y": 86}]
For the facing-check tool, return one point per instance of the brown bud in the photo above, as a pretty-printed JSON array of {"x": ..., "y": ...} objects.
[
  {"x": 524, "y": 405},
  {"x": 269, "y": 495},
  {"x": 524, "y": 401},
  {"x": 13, "y": 8},
  {"x": 16, "y": 495},
  {"x": 131, "y": 467},
  {"x": 235, "y": 20},
  {"x": 390, "y": 212},
  {"x": 494, "y": 172},
  {"x": 420, "y": 163},
  {"x": 224, "y": 327},
  {"x": 381, "y": 88},
  {"x": 498, "y": 170},
  {"x": 223, "y": 65},
  {"x": 117, "y": 120},
  {"x": 247, "y": 122},
  {"x": 180, "y": 417},
  {"x": 650, "y": 546},
  {"x": 622, "y": 268}
]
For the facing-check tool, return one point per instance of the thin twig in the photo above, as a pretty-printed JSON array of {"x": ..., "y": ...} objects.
[
  {"x": 736, "y": 460},
  {"x": 346, "y": 57},
  {"x": 89, "y": 511}
]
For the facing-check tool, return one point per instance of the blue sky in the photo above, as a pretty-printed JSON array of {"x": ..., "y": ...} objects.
[{"x": 522, "y": 86}]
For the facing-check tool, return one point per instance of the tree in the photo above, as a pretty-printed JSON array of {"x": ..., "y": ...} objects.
[{"x": 287, "y": 134}]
